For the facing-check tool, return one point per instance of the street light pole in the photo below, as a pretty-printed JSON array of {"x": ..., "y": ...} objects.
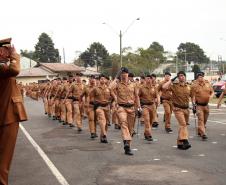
[
  {"x": 120, "y": 35},
  {"x": 120, "y": 39},
  {"x": 176, "y": 64}
]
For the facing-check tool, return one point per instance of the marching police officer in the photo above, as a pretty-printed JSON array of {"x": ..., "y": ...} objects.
[
  {"x": 148, "y": 94},
  {"x": 89, "y": 105},
  {"x": 202, "y": 91},
  {"x": 166, "y": 100},
  {"x": 102, "y": 99},
  {"x": 181, "y": 93},
  {"x": 126, "y": 96}
]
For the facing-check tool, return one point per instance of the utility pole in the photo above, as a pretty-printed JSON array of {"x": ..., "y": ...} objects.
[
  {"x": 120, "y": 35},
  {"x": 120, "y": 39},
  {"x": 185, "y": 58},
  {"x": 176, "y": 64},
  {"x": 95, "y": 58},
  {"x": 64, "y": 55}
]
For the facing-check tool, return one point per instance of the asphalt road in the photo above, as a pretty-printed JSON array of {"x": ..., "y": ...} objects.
[{"x": 82, "y": 161}]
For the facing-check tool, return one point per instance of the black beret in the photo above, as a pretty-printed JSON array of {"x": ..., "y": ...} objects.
[
  {"x": 153, "y": 75},
  {"x": 79, "y": 74},
  {"x": 102, "y": 75},
  {"x": 200, "y": 74},
  {"x": 167, "y": 73},
  {"x": 148, "y": 75},
  {"x": 124, "y": 70},
  {"x": 142, "y": 77},
  {"x": 181, "y": 73},
  {"x": 131, "y": 75},
  {"x": 92, "y": 76}
]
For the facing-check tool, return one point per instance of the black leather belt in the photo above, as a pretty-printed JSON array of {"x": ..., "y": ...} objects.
[
  {"x": 126, "y": 105},
  {"x": 103, "y": 104},
  {"x": 148, "y": 103},
  {"x": 180, "y": 106},
  {"x": 168, "y": 99},
  {"x": 201, "y": 104},
  {"x": 73, "y": 98}
]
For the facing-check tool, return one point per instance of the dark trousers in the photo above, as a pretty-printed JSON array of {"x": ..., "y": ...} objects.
[{"x": 8, "y": 135}]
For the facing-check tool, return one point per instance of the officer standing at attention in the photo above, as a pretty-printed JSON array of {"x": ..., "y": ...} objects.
[
  {"x": 181, "y": 93},
  {"x": 12, "y": 108},
  {"x": 202, "y": 92},
  {"x": 126, "y": 96}
]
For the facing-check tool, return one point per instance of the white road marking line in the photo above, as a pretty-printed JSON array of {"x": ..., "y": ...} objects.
[
  {"x": 217, "y": 113},
  {"x": 201, "y": 155},
  {"x": 216, "y": 122},
  {"x": 156, "y": 159},
  {"x": 51, "y": 166},
  {"x": 134, "y": 149},
  {"x": 184, "y": 171},
  {"x": 214, "y": 142},
  {"x": 118, "y": 142}
]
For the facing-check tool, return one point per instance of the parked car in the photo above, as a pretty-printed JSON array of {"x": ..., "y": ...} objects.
[{"x": 218, "y": 87}]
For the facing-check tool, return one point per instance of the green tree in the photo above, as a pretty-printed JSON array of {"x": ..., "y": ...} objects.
[
  {"x": 28, "y": 54},
  {"x": 195, "y": 69},
  {"x": 192, "y": 53},
  {"x": 156, "y": 47},
  {"x": 97, "y": 55},
  {"x": 45, "y": 51}
]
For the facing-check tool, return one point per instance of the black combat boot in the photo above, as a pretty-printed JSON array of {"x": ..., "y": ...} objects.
[
  {"x": 204, "y": 137},
  {"x": 92, "y": 135},
  {"x": 155, "y": 125},
  {"x": 127, "y": 148},
  {"x": 148, "y": 138},
  {"x": 185, "y": 145},
  {"x": 169, "y": 130},
  {"x": 103, "y": 139},
  {"x": 117, "y": 126}
]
